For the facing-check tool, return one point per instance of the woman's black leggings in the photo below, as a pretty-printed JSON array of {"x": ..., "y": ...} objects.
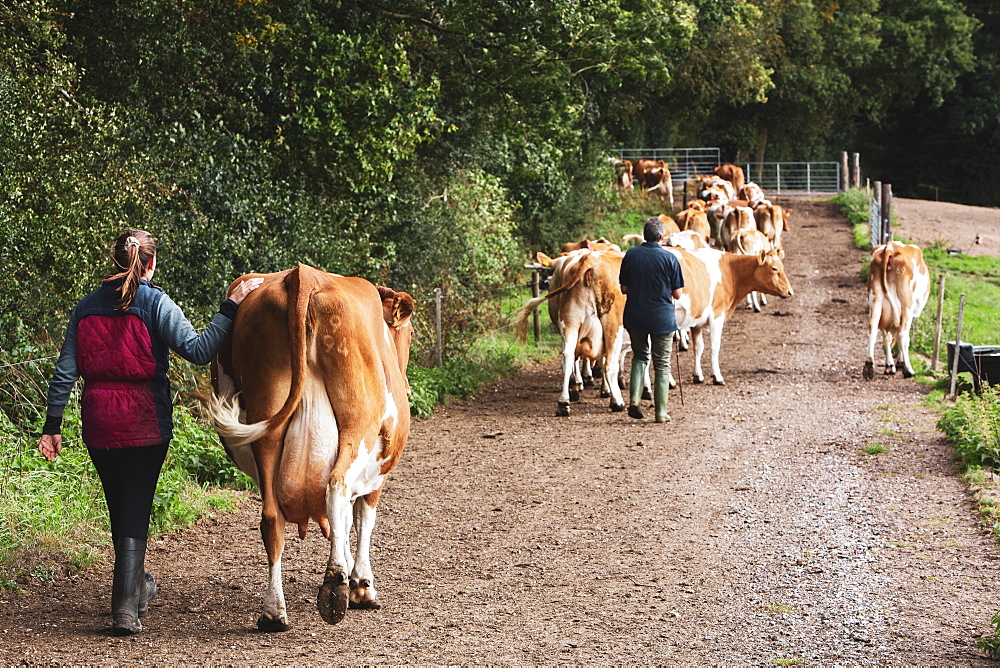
[{"x": 129, "y": 477}]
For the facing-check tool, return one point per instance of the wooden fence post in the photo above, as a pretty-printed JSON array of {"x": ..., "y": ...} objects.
[
  {"x": 886, "y": 209},
  {"x": 536, "y": 316},
  {"x": 843, "y": 172},
  {"x": 875, "y": 215},
  {"x": 939, "y": 325},
  {"x": 958, "y": 346},
  {"x": 856, "y": 170},
  {"x": 437, "y": 327}
]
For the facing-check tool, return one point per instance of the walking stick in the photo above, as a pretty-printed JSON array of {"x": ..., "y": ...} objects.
[{"x": 677, "y": 363}]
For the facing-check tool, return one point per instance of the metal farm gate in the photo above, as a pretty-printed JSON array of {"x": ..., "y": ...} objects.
[
  {"x": 794, "y": 178},
  {"x": 683, "y": 162},
  {"x": 776, "y": 178}
]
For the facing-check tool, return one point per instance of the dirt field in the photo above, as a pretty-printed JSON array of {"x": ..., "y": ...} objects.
[{"x": 752, "y": 528}]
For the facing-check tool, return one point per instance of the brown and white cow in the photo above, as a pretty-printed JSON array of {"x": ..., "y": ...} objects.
[
  {"x": 689, "y": 239},
  {"x": 310, "y": 399},
  {"x": 753, "y": 242},
  {"x": 624, "y": 177},
  {"x": 898, "y": 288},
  {"x": 660, "y": 184},
  {"x": 714, "y": 285},
  {"x": 752, "y": 193},
  {"x": 654, "y": 177},
  {"x": 737, "y": 218},
  {"x": 591, "y": 244},
  {"x": 732, "y": 173},
  {"x": 772, "y": 220},
  {"x": 694, "y": 218},
  {"x": 588, "y": 311}
]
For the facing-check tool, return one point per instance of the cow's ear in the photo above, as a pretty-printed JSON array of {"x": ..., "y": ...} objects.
[
  {"x": 543, "y": 259},
  {"x": 762, "y": 258},
  {"x": 403, "y": 310}
]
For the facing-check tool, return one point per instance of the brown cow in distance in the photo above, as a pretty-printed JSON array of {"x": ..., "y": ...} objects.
[
  {"x": 588, "y": 311},
  {"x": 898, "y": 288},
  {"x": 731, "y": 173},
  {"x": 310, "y": 400},
  {"x": 601, "y": 244}
]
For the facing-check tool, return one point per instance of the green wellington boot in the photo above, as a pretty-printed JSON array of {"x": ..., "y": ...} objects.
[
  {"x": 635, "y": 384},
  {"x": 661, "y": 385}
]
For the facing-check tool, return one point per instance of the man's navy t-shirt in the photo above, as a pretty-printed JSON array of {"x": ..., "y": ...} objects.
[{"x": 651, "y": 274}]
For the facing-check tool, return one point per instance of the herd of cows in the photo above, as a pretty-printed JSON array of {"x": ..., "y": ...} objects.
[
  {"x": 728, "y": 243},
  {"x": 310, "y": 395}
]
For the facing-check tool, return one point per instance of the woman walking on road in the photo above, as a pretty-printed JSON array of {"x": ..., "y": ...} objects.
[
  {"x": 651, "y": 279},
  {"x": 119, "y": 340}
]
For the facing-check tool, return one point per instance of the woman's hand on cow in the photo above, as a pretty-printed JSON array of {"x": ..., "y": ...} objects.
[
  {"x": 50, "y": 445},
  {"x": 243, "y": 288}
]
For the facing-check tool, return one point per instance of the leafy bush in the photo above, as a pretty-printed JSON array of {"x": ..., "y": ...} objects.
[
  {"x": 856, "y": 207},
  {"x": 972, "y": 426},
  {"x": 196, "y": 450},
  {"x": 433, "y": 386}
]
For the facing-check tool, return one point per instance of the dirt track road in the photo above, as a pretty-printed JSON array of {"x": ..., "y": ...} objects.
[{"x": 751, "y": 528}]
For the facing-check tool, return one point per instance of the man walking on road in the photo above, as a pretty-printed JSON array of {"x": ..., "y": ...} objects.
[{"x": 651, "y": 279}]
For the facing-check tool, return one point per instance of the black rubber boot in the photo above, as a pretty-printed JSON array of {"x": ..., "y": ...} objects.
[
  {"x": 129, "y": 583},
  {"x": 146, "y": 593}
]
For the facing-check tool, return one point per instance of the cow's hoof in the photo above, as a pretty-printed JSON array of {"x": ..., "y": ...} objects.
[
  {"x": 333, "y": 598},
  {"x": 574, "y": 395},
  {"x": 718, "y": 381},
  {"x": 363, "y": 596},
  {"x": 646, "y": 394},
  {"x": 869, "y": 371},
  {"x": 269, "y": 624},
  {"x": 604, "y": 394},
  {"x": 697, "y": 380},
  {"x": 907, "y": 374},
  {"x": 890, "y": 371},
  {"x": 588, "y": 382},
  {"x": 563, "y": 409},
  {"x": 617, "y": 408}
]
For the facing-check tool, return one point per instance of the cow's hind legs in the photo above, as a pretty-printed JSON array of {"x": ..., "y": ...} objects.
[
  {"x": 274, "y": 618},
  {"x": 363, "y": 594},
  {"x": 333, "y": 596}
]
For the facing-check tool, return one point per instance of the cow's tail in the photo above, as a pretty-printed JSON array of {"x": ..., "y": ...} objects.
[
  {"x": 739, "y": 244},
  {"x": 521, "y": 315},
  {"x": 895, "y": 309},
  {"x": 224, "y": 412}
]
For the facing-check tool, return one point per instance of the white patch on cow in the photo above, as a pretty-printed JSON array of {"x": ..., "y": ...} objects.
[
  {"x": 274, "y": 599},
  {"x": 391, "y": 409},
  {"x": 365, "y": 473},
  {"x": 388, "y": 336}
]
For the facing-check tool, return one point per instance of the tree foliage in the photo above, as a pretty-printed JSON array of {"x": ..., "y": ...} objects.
[{"x": 414, "y": 143}]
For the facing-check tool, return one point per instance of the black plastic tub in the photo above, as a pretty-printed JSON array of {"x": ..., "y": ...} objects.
[{"x": 983, "y": 362}]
